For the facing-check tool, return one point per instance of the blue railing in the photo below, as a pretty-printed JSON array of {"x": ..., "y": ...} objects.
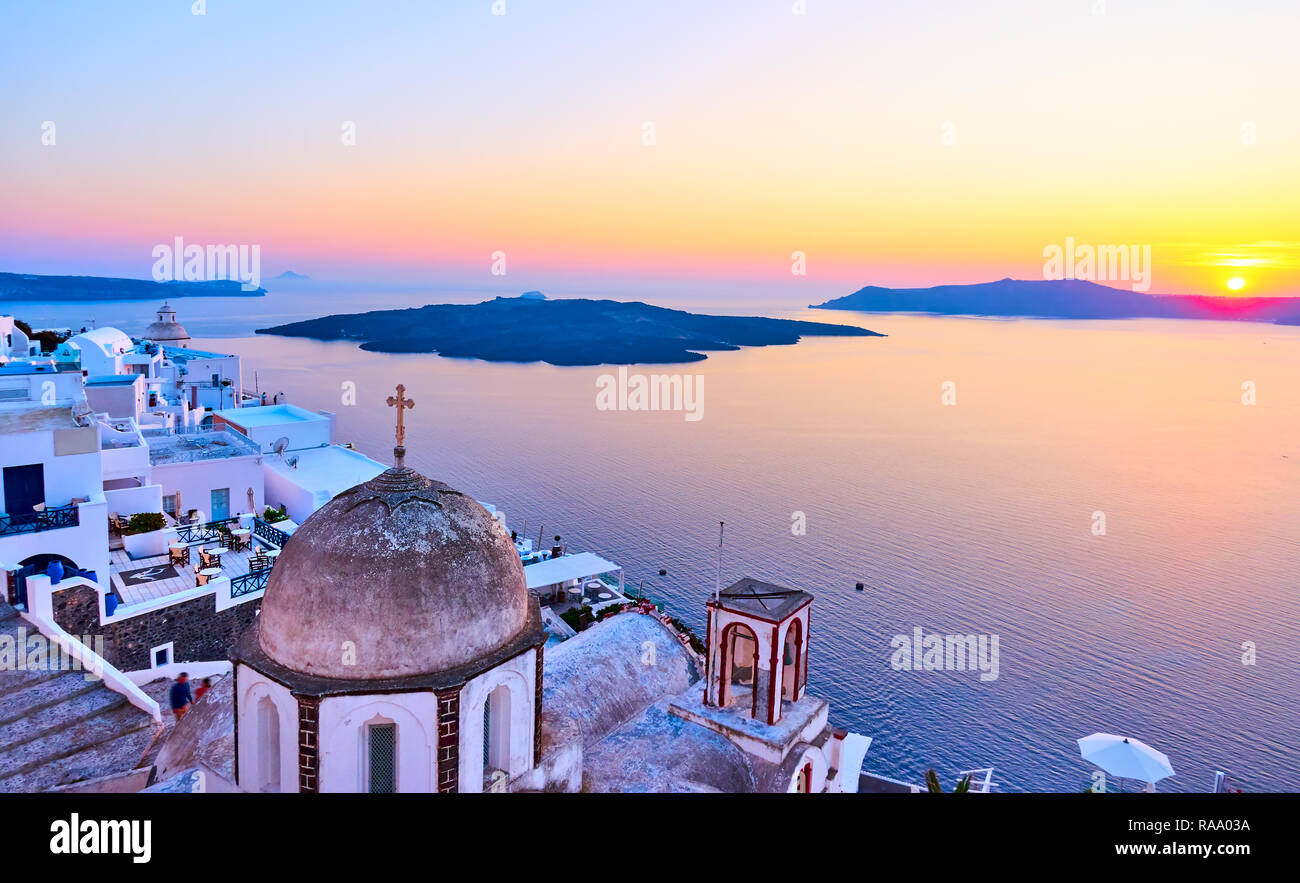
[
  {"x": 272, "y": 535},
  {"x": 35, "y": 522},
  {"x": 203, "y": 533},
  {"x": 248, "y": 583}
]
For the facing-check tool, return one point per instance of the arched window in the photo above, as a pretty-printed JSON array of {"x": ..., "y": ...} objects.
[
  {"x": 803, "y": 780},
  {"x": 379, "y": 756},
  {"x": 496, "y": 736},
  {"x": 739, "y": 667},
  {"x": 792, "y": 661},
  {"x": 268, "y": 745}
]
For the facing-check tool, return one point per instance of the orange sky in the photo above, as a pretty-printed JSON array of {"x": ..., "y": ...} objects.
[{"x": 895, "y": 149}]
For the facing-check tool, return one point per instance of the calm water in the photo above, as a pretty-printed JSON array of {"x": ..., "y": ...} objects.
[{"x": 973, "y": 518}]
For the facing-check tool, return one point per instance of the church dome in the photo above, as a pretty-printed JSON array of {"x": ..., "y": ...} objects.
[
  {"x": 166, "y": 328},
  {"x": 399, "y": 576}
]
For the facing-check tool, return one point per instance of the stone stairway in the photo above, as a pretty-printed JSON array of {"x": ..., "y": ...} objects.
[{"x": 58, "y": 727}]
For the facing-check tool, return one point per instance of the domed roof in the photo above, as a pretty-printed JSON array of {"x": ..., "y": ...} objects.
[
  {"x": 399, "y": 576},
  {"x": 166, "y": 328}
]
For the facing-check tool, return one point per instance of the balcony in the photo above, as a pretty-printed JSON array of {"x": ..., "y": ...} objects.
[{"x": 36, "y": 522}]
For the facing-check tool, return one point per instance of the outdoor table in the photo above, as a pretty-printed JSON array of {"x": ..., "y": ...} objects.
[
  {"x": 605, "y": 596},
  {"x": 273, "y": 553}
]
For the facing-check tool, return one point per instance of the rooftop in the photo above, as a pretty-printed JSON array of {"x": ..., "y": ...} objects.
[
  {"x": 185, "y": 354},
  {"x": 32, "y": 366},
  {"x": 267, "y": 415},
  {"x": 113, "y": 379},
  {"x": 34, "y": 418},
  {"x": 221, "y": 444},
  {"x": 567, "y": 567},
  {"x": 761, "y": 599},
  {"x": 329, "y": 468}
]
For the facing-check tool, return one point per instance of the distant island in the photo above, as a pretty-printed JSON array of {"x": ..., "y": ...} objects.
[
  {"x": 1061, "y": 299},
  {"x": 26, "y": 286},
  {"x": 291, "y": 276},
  {"x": 559, "y": 332}
]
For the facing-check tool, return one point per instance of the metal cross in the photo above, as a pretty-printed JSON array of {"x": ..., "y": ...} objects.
[{"x": 401, "y": 403}]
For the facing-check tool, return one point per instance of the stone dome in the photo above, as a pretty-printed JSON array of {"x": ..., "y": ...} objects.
[
  {"x": 166, "y": 328},
  {"x": 399, "y": 576}
]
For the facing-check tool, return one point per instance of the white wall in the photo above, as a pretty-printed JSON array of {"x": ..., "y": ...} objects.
[
  {"x": 67, "y": 475},
  {"x": 117, "y": 400},
  {"x": 252, "y": 686},
  {"x": 297, "y": 501},
  {"x": 132, "y": 500},
  {"x": 195, "y": 482},
  {"x": 520, "y": 676},
  {"x": 342, "y": 725}
]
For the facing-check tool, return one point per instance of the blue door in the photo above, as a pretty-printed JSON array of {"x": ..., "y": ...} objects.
[
  {"x": 221, "y": 504},
  {"x": 24, "y": 488}
]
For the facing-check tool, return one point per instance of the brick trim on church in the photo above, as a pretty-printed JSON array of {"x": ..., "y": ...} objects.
[
  {"x": 537, "y": 710},
  {"x": 308, "y": 744},
  {"x": 448, "y": 740}
]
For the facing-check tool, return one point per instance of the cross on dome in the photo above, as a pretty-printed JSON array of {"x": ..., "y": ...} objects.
[{"x": 401, "y": 403}]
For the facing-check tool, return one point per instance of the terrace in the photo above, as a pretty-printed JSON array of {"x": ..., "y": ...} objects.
[
  {"x": 573, "y": 581},
  {"x": 140, "y": 580}
]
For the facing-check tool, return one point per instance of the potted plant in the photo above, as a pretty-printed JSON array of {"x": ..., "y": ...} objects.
[{"x": 143, "y": 535}]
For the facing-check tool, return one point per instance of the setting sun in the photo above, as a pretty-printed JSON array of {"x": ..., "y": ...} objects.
[{"x": 1236, "y": 283}]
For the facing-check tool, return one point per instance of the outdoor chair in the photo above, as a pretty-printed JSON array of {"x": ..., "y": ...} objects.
[{"x": 179, "y": 556}]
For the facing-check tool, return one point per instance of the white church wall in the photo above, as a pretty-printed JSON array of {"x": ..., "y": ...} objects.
[
  {"x": 342, "y": 722},
  {"x": 816, "y": 759},
  {"x": 519, "y": 675},
  {"x": 253, "y": 687}
]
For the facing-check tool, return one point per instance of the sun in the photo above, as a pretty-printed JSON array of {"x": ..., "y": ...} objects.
[{"x": 1236, "y": 283}]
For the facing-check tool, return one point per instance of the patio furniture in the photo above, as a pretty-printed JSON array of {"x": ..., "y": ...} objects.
[
  {"x": 115, "y": 524},
  {"x": 241, "y": 539},
  {"x": 179, "y": 554}
]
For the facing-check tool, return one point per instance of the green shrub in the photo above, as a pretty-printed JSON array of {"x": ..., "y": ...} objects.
[
  {"x": 144, "y": 522},
  {"x": 272, "y": 515},
  {"x": 578, "y": 618}
]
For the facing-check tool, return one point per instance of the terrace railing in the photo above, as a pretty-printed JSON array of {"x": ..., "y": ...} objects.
[
  {"x": 273, "y": 535},
  {"x": 35, "y": 522},
  {"x": 205, "y": 532},
  {"x": 248, "y": 583}
]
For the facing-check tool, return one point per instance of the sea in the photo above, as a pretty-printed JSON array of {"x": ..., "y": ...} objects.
[{"x": 1114, "y": 501}]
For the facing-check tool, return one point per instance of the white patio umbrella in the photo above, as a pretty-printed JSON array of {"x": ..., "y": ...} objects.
[{"x": 1126, "y": 758}]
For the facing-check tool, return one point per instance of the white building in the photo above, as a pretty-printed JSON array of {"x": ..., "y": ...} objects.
[
  {"x": 14, "y": 344},
  {"x": 54, "y": 507},
  {"x": 303, "y": 470},
  {"x": 211, "y": 475}
]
